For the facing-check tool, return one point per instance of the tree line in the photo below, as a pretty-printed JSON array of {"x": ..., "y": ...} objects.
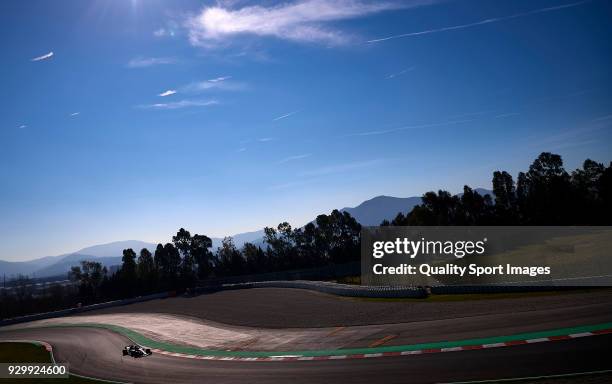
[
  {"x": 546, "y": 194},
  {"x": 179, "y": 265}
]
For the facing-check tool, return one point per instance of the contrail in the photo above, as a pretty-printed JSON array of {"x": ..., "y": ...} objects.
[
  {"x": 43, "y": 57},
  {"x": 285, "y": 116},
  {"x": 481, "y": 22}
]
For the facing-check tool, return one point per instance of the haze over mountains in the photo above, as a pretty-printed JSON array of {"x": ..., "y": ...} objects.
[
  {"x": 108, "y": 254},
  {"x": 372, "y": 212},
  {"x": 369, "y": 213}
]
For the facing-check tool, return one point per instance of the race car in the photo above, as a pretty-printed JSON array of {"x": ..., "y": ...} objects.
[{"x": 136, "y": 351}]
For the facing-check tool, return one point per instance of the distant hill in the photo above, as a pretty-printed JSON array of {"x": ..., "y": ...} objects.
[
  {"x": 483, "y": 191},
  {"x": 108, "y": 254},
  {"x": 255, "y": 237},
  {"x": 63, "y": 266},
  {"x": 116, "y": 248},
  {"x": 13, "y": 268},
  {"x": 369, "y": 213},
  {"x": 372, "y": 212}
]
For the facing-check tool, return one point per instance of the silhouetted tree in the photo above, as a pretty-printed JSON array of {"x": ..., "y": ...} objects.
[
  {"x": 160, "y": 260},
  {"x": 128, "y": 274},
  {"x": 146, "y": 267},
  {"x": 182, "y": 243},
  {"x": 229, "y": 260},
  {"x": 506, "y": 208},
  {"x": 548, "y": 191},
  {"x": 338, "y": 236},
  {"x": 544, "y": 195},
  {"x": 90, "y": 276},
  {"x": 174, "y": 261},
  {"x": 605, "y": 192},
  {"x": 307, "y": 245},
  {"x": 256, "y": 261},
  {"x": 128, "y": 267},
  {"x": 147, "y": 273},
  {"x": 280, "y": 245},
  {"x": 200, "y": 250},
  {"x": 588, "y": 196}
]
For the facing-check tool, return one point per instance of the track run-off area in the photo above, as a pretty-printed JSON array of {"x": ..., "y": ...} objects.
[{"x": 543, "y": 335}]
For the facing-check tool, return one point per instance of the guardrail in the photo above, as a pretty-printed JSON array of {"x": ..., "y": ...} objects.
[
  {"x": 469, "y": 289},
  {"x": 384, "y": 291},
  {"x": 319, "y": 286},
  {"x": 328, "y": 287},
  {"x": 325, "y": 272}
]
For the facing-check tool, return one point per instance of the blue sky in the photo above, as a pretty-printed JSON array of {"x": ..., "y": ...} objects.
[{"x": 224, "y": 117}]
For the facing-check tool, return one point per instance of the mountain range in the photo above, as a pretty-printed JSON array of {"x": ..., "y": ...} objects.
[
  {"x": 108, "y": 254},
  {"x": 369, "y": 213}
]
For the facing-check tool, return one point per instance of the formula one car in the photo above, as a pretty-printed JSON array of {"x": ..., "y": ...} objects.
[{"x": 136, "y": 351}]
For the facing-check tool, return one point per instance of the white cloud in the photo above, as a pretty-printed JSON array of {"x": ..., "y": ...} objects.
[
  {"x": 170, "y": 29},
  {"x": 22, "y": 126},
  {"x": 142, "y": 62},
  {"x": 241, "y": 149},
  {"x": 167, "y": 93},
  {"x": 293, "y": 158},
  {"x": 220, "y": 83},
  {"x": 265, "y": 139},
  {"x": 301, "y": 20},
  {"x": 504, "y": 115},
  {"x": 285, "y": 116},
  {"x": 43, "y": 57},
  {"x": 481, "y": 22},
  {"x": 75, "y": 114},
  {"x": 220, "y": 78},
  {"x": 164, "y": 32},
  {"x": 402, "y": 72},
  {"x": 181, "y": 104}
]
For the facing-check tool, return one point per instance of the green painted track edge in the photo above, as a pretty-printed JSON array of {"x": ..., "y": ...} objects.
[{"x": 143, "y": 340}]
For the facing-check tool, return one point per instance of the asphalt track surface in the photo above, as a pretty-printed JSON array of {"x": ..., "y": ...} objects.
[
  {"x": 297, "y": 308},
  {"x": 97, "y": 353}
]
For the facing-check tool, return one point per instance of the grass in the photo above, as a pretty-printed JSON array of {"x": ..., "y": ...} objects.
[
  {"x": 433, "y": 298},
  {"x": 597, "y": 377},
  {"x": 352, "y": 280},
  {"x": 31, "y": 353}
]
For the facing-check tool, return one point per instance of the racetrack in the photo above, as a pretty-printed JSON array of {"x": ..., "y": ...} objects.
[
  {"x": 298, "y": 308},
  {"x": 182, "y": 321},
  {"x": 203, "y": 334},
  {"x": 97, "y": 353},
  {"x": 478, "y": 319}
]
